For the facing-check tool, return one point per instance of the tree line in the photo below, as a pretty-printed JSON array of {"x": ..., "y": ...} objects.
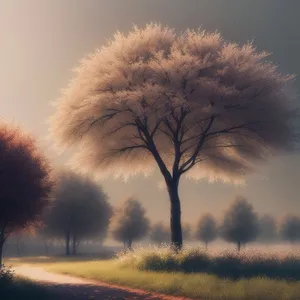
[{"x": 81, "y": 211}]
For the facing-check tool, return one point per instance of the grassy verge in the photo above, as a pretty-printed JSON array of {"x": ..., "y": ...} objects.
[
  {"x": 193, "y": 285},
  {"x": 23, "y": 289},
  {"x": 227, "y": 264}
]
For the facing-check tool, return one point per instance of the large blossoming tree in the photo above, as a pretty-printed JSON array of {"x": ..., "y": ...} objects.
[{"x": 190, "y": 104}]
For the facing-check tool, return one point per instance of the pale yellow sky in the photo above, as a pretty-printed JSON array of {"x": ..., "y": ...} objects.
[{"x": 42, "y": 40}]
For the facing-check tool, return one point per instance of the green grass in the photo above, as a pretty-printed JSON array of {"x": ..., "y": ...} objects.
[{"x": 194, "y": 285}]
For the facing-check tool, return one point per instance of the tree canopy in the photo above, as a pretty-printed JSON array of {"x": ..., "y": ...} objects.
[
  {"x": 206, "y": 230},
  {"x": 189, "y": 103},
  {"x": 290, "y": 228},
  {"x": 25, "y": 181},
  {"x": 80, "y": 210},
  {"x": 160, "y": 233},
  {"x": 240, "y": 223},
  {"x": 267, "y": 228},
  {"x": 129, "y": 222}
]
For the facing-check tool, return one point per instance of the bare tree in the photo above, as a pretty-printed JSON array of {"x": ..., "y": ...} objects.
[
  {"x": 290, "y": 228},
  {"x": 129, "y": 222},
  {"x": 80, "y": 210},
  {"x": 240, "y": 223},
  {"x": 190, "y": 104},
  {"x": 206, "y": 230},
  {"x": 25, "y": 182},
  {"x": 267, "y": 228},
  {"x": 160, "y": 233}
]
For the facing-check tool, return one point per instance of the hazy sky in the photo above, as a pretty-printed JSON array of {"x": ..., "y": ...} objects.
[{"x": 42, "y": 40}]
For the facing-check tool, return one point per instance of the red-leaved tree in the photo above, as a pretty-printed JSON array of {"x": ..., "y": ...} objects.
[{"x": 25, "y": 181}]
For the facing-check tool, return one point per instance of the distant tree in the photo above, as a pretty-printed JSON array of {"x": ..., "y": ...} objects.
[
  {"x": 80, "y": 210},
  {"x": 206, "y": 230},
  {"x": 240, "y": 223},
  {"x": 186, "y": 232},
  {"x": 160, "y": 233},
  {"x": 290, "y": 228},
  {"x": 267, "y": 228},
  {"x": 24, "y": 179},
  {"x": 43, "y": 230},
  {"x": 191, "y": 104},
  {"x": 129, "y": 222}
]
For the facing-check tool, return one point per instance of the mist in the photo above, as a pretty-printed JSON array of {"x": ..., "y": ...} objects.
[{"x": 43, "y": 41}]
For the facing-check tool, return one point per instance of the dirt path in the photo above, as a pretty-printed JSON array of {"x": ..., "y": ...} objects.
[{"x": 64, "y": 287}]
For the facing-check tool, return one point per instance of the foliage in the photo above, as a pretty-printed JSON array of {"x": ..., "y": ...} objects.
[
  {"x": 12, "y": 288},
  {"x": 290, "y": 228},
  {"x": 226, "y": 264},
  {"x": 25, "y": 180},
  {"x": 80, "y": 210},
  {"x": 267, "y": 229},
  {"x": 186, "y": 231},
  {"x": 6, "y": 277},
  {"x": 129, "y": 222},
  {"x": 206, "y": 230},
  {"x": 160, "y": 233},
  {"x": 190, "y": 285},
  {"x": 154, "y": 98},
  {"x": 240, "y": 223}
]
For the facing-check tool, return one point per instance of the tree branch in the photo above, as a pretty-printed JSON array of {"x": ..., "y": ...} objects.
[{"x": 192, "y": 159}]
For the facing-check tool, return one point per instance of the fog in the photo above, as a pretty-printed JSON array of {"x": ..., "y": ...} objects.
[{"x": 41, "y": 41}]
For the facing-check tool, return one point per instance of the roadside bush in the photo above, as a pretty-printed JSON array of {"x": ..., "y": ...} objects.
[{"x": 6, "y": 277}]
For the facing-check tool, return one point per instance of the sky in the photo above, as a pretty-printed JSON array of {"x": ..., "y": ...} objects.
[{"x": 41, "y": 41}]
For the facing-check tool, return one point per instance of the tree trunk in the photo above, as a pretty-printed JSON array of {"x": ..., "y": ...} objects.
[
  {"x": 130, "y": 244},
  {"x": 1, "y": 247},
  {"x": 175, "y": 222},
  {"x": 68, "y": 243},
  {"x": 74, "y": 244},
  {"x": 239, "y": 246},
  {"x": 206, "y": 245},
  {"x": 46, "y": 247}
]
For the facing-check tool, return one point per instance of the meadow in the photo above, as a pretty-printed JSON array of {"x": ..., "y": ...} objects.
[{"x": 252, "y": 274}]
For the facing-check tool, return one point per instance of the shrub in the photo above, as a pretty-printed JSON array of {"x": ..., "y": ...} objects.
[
  {"x": 6, "y": 277},
  {"x": 226, "y": 264}
]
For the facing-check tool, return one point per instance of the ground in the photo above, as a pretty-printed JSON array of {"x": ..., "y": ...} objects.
[{"x": 63, "y": 287}]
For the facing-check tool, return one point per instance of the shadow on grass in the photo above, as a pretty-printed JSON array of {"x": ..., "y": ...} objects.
[{"x": 14, "y": 288}]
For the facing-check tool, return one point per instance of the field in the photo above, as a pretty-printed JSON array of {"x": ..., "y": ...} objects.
[{"x": 194, "y": 285}]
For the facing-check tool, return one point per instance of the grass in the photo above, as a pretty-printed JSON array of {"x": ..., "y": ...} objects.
[
  {"x": 16, "y": 288},
  {"x": 193, "y": 285},
  {"x": 234, "y": 265}
]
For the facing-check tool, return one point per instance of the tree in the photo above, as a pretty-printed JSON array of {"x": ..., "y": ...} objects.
[
  {"x": 186, "y": 232},
  {"x": 240, "y": 223},
  {"x": 267, "y": 228},
  {"x": 206, "y": 230},
  {"x": 129, "y": 222},
  {"x": 25, "y": 181},
  {"x": 191, "y": 104},
  {"x": 160, "y": 233},
  {"x": 80, "y": 210},
  {"x": 290, "y": 228},
  {"x": 43, "y": 230}
]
